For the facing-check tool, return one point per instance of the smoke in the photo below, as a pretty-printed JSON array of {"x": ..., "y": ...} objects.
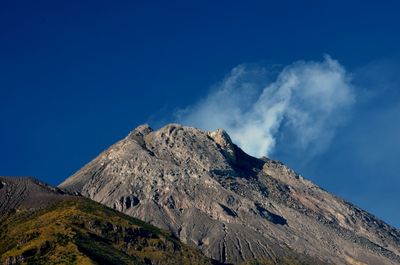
[{"x": 298, "y": 110}]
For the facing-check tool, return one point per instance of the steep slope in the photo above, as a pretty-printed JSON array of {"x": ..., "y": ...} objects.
[
  {"x": 42, "y": 225},
  {"x": 231, "y": 206},
  {"x": 26, "y": 193}
]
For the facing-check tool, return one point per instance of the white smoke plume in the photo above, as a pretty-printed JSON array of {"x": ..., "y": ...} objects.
[{"x": 299, "y": 109}]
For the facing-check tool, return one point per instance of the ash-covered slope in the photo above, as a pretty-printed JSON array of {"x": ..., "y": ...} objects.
[
  {"x": 232, "y": 206},
  {"x": 27, "y": 193}
]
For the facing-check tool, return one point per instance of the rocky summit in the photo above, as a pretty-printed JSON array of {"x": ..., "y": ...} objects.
[{"x": 233, "y": 207}]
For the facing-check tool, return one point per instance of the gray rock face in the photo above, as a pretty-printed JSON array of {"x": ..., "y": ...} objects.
[{"x": 230, "y": 205}]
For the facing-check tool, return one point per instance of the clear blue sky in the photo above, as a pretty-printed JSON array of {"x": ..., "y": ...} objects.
[{"x": 77, "y": 76}]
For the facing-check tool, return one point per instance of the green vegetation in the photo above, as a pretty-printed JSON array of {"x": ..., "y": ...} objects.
[{"x": 80, "y": 231}]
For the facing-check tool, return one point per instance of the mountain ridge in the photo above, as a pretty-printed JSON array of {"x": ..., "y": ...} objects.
[
  {"x": 41, "y": 224},
  {"x": 231, "y": 206}
]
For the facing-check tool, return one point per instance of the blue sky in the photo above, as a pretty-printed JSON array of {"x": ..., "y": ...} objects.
[{"x": 76, "y": 77}]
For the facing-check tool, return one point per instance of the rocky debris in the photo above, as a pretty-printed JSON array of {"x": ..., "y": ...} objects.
[{"x": 231, "y": 206}]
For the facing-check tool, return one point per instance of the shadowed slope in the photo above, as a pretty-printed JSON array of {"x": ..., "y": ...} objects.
[{"x": 26, "y": 193}]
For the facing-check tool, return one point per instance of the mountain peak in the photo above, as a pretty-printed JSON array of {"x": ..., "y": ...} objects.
[
  {"x": 143, "y": 129},
  {"x": 231, "y": 206},
  {"x": 140, "y": 131},
  {"x": 221, "y": 137}
]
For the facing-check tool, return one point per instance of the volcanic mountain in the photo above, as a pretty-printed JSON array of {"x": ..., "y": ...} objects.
[
  {"x": 40, "y": 224},
  {"x": 231, "y": 206}
]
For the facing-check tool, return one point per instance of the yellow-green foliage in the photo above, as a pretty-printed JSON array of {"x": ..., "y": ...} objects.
[{"x": 80, "y": 231}]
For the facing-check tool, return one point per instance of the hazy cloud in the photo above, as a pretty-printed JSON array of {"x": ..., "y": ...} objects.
[{"x": 301, "y": 106}]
